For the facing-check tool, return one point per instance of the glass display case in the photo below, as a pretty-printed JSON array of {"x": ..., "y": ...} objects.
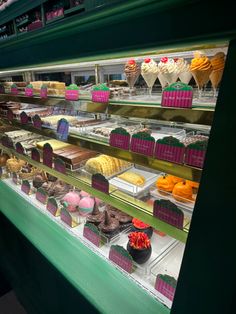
[{"x": 128, "y": 165}]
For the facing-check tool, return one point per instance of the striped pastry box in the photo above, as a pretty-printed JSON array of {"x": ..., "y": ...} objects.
[
  {"x": 169, "y": 153},
  {"x": 166, "y": 285},
  {"x": 195, "y": 157},
  {"x": 177, "y": 95}
]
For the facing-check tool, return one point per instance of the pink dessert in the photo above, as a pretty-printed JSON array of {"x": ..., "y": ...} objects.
[
  {"x": 84, "y": 194},
  {"x": 72, "y": 199},
  {"x": 86, "y": 205}
]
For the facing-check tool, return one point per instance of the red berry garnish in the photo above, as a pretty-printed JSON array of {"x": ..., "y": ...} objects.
[
  {"x": 131, "y": 61},
  {"x": 164, "y": 59},
  {"x": 147, "y": 60},
  {"x": 176, "y": 59}
]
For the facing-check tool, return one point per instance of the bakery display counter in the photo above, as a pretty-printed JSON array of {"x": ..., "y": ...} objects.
[{"x": 143, "y": 275}]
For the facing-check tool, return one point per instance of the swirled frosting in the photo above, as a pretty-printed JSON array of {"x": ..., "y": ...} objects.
[
  {"x": 149, "y": 66},
  {"x": 182, "y": 65},
  {"x": 200, "y": 62},
  {"x": 167, "y": 65},
  {"x": 218, "y": 61},
  {"x": 131, "y": 68}
]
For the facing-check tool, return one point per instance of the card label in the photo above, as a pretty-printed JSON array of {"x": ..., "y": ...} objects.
[
  {"x": 169, "y": 153},
  {"x": 67, "y": 218},
  {"x": 41, "y": 196},
  {"x": 142, "y": 143},
  {"x": 62, "y": 129},
  {"x": 177, "y": 95},
  {"x": 100, "y": 183},
  {"x": 166, "y": 285},
  {"x": 29, "y": 92},
  {"x": 59, "y": 165},
  {"x": 92, "y": 234},
  {"x": 10, "y": 115},
  {"x": 121, "y": 257},
  {"x": 37, "y": 122},
  {"x": 47, "y": 155},
  {"x": 35, "y": 155},
  {"x": 43, "y": 92},
  {"x": 25, "y": 187},
  {"x": 15, "y": 178},
  {"x": 14, "y": 91},
  {"x": 167, "y": 211},
  {"x": 24, "y": 118},
  {"x": 195, "y": 157},
  {"x": 52, "y": 206},
  {"x": 71, "y": 94},
  {"x": 19, "y": 148},
  {"x": 120, "y": 138}
]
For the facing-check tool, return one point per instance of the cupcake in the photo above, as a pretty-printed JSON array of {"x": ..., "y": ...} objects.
[
  {"x": 72, "y": 199},
  {"x": 110, "y": 226},
  {"x": 86, "y": 205},
  {"x": 95, "y": 217},
  {"x": 139, "y": 247},
  {"x": 139, "y": 226}
]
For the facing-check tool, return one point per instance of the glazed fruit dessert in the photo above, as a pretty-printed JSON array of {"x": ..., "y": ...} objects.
[
  {"x": 164, "y": 184},
  {"x": 139, "y": 247},
  {"x": 183, "y": 192}
]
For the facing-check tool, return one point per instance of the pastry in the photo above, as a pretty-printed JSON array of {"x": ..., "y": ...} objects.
[
  {"x": 175, "y": 179},
  {"x": 27, "y": 172},
  {"x": 14, "y": 164},
  {"x": 132, "y": 177},
  {"x": 110, "y": 226},
  {"x": 164, "y": 184},
  {"x": 139, "y": 247},
  {"x": 149, "y": 71},
  {"x": 200, "y": 68},
  {"x": 53, "y": 120},
  {"x": 182, "y": 192},
  {"x": 39, "y": 179},
  {"x": 57, "y": 189},
  {"x": 72, "y": 200},
  {"x": 86, "y": 205},
  {"x": 194, "y": 185},
  {"x": 95, "y": 217},
  {"x": 139, "y": 226},
  {"x": 123, "y": 218},
  {"x": 53, "y": 143},
  {"x": 132, "y": 72}
]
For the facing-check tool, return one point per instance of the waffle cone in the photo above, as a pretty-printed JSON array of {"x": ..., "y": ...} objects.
[
  {"x": 201, "y": 77},
  {"x": 215, "y": 77},
  {"x": 150, "y": 78},
  {"x": 185, "y": 77}
]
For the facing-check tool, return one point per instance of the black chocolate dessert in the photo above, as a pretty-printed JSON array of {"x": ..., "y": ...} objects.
[
  {"x": 110, "y": 226},
  {"x": 95, "y": 217}
]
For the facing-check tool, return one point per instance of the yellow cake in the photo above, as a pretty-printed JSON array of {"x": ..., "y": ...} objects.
[
  {"x": 54, "y": 144},
  {"x": 132, "y": 177}
]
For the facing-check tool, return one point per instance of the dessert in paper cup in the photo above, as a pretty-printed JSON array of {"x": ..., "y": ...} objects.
[{"x": 101, "y": 93}]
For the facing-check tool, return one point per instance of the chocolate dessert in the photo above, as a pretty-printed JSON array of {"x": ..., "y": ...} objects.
[
  {"x": 57, "y": 189},
  {"x": 110, "y": 226},
  {"x": 39, "y": 179},
  {"x": 96, "y": 217},
  {"x": 124, "y": 219}
]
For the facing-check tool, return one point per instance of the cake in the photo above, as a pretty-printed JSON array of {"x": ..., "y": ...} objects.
[
  {"x": 164, "y": 184},
  {"x": 55, "y": 144},
  {"x": 39, "y": 179},
  {"x": 95, "y": 217},
  {"x": 139, "y": 226},
  {"x": 182, "y": 192},
  {"x": 57, "y": 189},
  {"x": 133, "y": 178},
  {"x": 139, "y": 247},
  {"x": 123, "y": 218},
  {"x": 110, "y": 226},
  {"x": 72, "y": 199},
  {"x": 86, "y": 205}
]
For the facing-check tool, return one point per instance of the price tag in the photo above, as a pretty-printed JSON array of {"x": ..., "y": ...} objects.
[
  {"x": 37, "y": 122},
  {"x": 47, "y": 155},
  {"x": 25, "y": 187},
  {"x": 19, "y": 148},
  {"x": 142, "y": 143},
  {"x": 52, "y": 206},
  {"x": 120, "y": 138},
  {"x": 92, "y": 234},
  {"x": 177, "y": 95},
  {"x": 2, "y": 89},
  {"x": 10, "y": 115},
  {"x": 14, "y": 90},
  {"x": 41, "y": 196},
  {"x": 166, "y": 285},
  {"x": 59, "y": 165},
  {"x": 15, "y": 178},
  {"x": 67, "y": 218},
  {"x": 6, "y": 141},
  {"x": 100, "y": 183},
  {"x": 29, "y": 92},
  {"x": 121, "y": 257},
  {"x": 24, "y": 118},
  {"x": 1, "y": 171},
  {"x": 35, "y": 155},
  {"x": 167, "y": 211},
  {"x": 62, "y": 129},
  {"x": 43, "y": 92}
]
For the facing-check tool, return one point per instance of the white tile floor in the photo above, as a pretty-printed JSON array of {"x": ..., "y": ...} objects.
[{"x": 10, "y": 305}]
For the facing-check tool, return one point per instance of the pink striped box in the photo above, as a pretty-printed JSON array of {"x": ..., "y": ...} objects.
[
  {"x": 29, "y": 92},
  {"x": 14, "y": 91},
  {"x": 169, "y": 153},
  {"x": 195, "y": 157},
  {"x": 100, "y": 96},
  {"x": 166, "y": 285},
  {"x": 177, "y": 95},
  {"x": 120, "y": 138},
  {"x": 71, "y": 94}
]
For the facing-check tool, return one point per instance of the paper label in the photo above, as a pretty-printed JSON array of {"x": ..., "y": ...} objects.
[
  {"x": 72, "y": 95},
  {"x": 169, "y": 153},
  {"x": 59, "y": 165},
  {"x": 62, "y": 129},
  {"x": 47, "y": 155},
  {"x": 52, "y": 206},
  {"x": 24, "y": 118},
  {"x": 10, "y": 115},
  {"x": 14, "y": 91},
  {"x": 41, "y": 196},
  {"x": 142, "y": 146},
  {"x": 1, "y": 171},
  {"x": 121, "y": 257},
  {"x": 164, "y": 287},
  {"x": 100, "y": 183},
  {"x": 43, "y": 93},
  {"x": 37, "y": 122},
  {"x": 2, "y": 89},
  {"x": 120, "y": 140},
  {"x": 67, "y": 218},
  {"x": 195, "y": 157},
  {"x": 25, "y": 187},
  {"x": 6, "y": 142},
  {"x": 19, "y": 148},
  {"x": 15, "y": 178},
  {"x": 166, "y": 211},
  {"x": 178, "y": 95},
  {"x": 91, "y": 233},
  {"x": 29, "y": 92},
  {"x": 35, "y": 155}
]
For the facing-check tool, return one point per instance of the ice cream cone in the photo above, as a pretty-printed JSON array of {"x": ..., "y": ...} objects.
[
  {"x": 201, "y": 77},
  {"x": 171, "y": 77},
  {"x": 215, "y": 77},
  {"x": 162, "y": 80},
  {"x": 150, "y": 78},
  {"x": 185, "y": 77}
]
